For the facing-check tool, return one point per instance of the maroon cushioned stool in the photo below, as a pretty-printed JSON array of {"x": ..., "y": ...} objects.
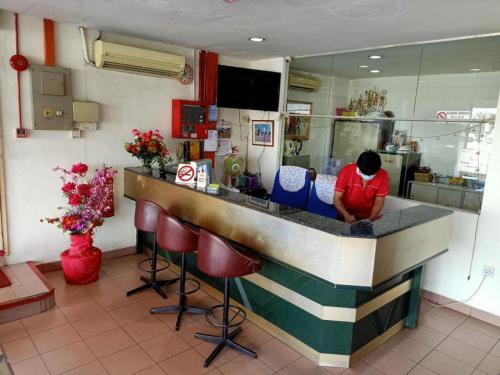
[
  {"x": 146, "y": 220},
  {"x": 175, "y": 237},
  {"x": 217, "y": 258}
]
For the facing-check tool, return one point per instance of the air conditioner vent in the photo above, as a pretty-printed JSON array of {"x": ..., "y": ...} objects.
[
  {"x": 138, "y": 60},
  {"x": 138, "y": 69},
  {"x": 303, "y": 82}
]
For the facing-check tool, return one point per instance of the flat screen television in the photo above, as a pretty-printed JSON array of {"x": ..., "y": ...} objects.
[{"x": 248, "y": 88}]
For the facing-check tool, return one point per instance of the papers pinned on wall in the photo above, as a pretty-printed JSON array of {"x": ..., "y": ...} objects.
[
  {"x": 211, "y": 141},
  {"x": 224, "y": 147}
]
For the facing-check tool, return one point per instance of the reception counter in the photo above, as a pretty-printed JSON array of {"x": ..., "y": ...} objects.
[{"x": 331, "y": 290}]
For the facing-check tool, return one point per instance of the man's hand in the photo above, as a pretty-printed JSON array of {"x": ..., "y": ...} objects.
[
  {"x": 339, "y": 205},
  {"x": 349, "y": 219}
]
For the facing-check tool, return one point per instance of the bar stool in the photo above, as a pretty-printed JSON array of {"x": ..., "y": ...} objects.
[
  {"x": 217, "y": 258},
  {"x": 175, "y": 237},
  {"x": 146, "y": 220}
]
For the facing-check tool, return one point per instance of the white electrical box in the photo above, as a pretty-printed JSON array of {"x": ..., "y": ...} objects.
[{"x": 85, "y": 112}]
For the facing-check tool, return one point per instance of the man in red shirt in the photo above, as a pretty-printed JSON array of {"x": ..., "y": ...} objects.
[{"x": 361, "y": 188}]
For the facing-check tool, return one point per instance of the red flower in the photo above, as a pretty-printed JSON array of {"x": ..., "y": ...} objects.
[
  {"x": 69, "y": 221},
  {"x": 84, "y": 190},
  {"x": 75, "y": 199},
  {"x": 68, "y": 187},
  {"x": 79, "y": 168}
]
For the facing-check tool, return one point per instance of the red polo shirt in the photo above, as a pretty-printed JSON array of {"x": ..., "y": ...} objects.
[{"x": 357, "y": 199}]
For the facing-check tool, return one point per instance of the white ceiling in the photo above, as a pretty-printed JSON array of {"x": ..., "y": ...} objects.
[
  {"x": 292, "y": 27},
  {"x": 437, "y": 58}
]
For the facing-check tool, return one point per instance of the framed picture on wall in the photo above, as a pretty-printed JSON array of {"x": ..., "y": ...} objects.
[
  {"x": 296, "y": 127},
  {"x": 263, "y": 133}
]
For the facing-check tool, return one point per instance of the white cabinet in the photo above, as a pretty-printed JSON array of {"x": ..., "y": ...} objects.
[
  {"x": 449, "y": 197},
  {"x": 424, "y": 193},
  {"x": 472, "y": 201},
  {"x": 446, "y": 195}
]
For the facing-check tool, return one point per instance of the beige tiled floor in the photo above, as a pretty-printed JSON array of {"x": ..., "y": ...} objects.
[{"x": 95, "y": 329}]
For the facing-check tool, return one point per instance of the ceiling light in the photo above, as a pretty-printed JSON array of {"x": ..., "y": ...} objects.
[
  {"x": 256, "y": 39},
  {"x": 474, "y": 69},
  {"x": 375, "y": 57},
  {"x": 363, "y": 66},
  {"x": 230, "y": 1},
  {"x": 375, "y": 71}
]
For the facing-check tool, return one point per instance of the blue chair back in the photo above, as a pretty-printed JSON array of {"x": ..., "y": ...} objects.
[
  {"x": 291, "y": 186},
  {"x": 321, "y": 199}
]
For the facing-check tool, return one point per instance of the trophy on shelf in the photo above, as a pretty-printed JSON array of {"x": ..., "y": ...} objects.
[{"x": 372, "y": 100}]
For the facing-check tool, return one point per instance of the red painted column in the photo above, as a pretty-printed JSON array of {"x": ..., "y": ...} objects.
[
  {"x": 211, "y": 90},
  {"x": 201, "y": 75}
]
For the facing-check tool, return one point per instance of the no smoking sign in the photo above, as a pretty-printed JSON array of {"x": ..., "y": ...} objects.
[{"x": 186, "y": 174}]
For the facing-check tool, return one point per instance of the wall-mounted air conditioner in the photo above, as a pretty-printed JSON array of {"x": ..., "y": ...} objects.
[
  {"x": 137, "y": 60},
  {"x": 303, "y": 82}
]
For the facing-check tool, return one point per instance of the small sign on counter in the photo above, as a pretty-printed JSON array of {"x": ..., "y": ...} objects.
[{"x": 186, "y": 174}]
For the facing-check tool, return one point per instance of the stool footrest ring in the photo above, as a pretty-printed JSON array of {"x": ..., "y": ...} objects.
[
  {"x": 161, "y": 265},
  {"x": 194, "y": 283},
  {"x": 235, "y": 321}
]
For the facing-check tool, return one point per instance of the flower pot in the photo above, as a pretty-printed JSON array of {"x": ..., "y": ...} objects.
[{"x": 82, "y": 261}]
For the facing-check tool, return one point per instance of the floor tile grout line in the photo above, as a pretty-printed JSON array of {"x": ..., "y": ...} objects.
[
  {"x": 488, "y": 353},
  {"x": 86, "y": 344},
  {"x": 34, "y": 346},
  {"x": 498, "y": 340},
  {"x": 435, "y": 348},
  {"x": 139, "y": 344},
  {"x": 81, "y": 340}
]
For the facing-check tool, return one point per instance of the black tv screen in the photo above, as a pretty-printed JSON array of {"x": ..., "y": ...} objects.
[{"x": 248, "y": 89}]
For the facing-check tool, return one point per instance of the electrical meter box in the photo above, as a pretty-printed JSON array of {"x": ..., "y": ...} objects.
[
  {"x": 52, "y": 98},
  {"x": 86, "y": 112}
]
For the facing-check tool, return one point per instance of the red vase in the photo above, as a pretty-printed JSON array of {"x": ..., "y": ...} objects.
[{"x": 82, "y": 261}]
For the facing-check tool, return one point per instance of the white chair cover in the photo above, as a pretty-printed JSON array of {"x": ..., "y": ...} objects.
[
  {"x": 292, "y": 178},
  {"x": 325, "y": 187}
]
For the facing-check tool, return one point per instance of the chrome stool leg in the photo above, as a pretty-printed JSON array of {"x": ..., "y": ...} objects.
[
  {"x": 152, "y": 283},
  {"x": 181, "y": 308},
  {"x": 227, "y": 337}
]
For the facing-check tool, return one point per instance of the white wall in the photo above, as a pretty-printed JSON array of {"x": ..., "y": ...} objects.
[
  {"x": 126, "y": 101},
  {"x": 269, "y": 157}
]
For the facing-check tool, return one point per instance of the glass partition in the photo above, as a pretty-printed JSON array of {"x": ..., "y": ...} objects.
[{"x": 428, "y": 110}]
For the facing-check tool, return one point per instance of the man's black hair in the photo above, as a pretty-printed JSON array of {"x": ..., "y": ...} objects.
[{"x": 369, "y": 162}]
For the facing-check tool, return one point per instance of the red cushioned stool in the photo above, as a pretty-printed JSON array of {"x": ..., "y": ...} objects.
[
  {"x": 175, "y": 237},
  {"x": 217, "y": 258},
  {"x": 146, "y": 220}
]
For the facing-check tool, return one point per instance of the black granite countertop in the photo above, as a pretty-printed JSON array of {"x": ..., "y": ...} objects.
[{"x": 389, "y": 223}]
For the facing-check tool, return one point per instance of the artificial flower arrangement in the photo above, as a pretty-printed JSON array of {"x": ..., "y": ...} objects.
[
  {"x": 87, "y": 205},
  {"x": 87, "y": 198},
  {"x": 149, "y": 148}
]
